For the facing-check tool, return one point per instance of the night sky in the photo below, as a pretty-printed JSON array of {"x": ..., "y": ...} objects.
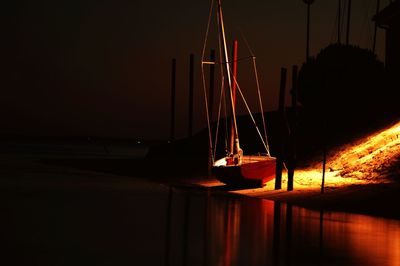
[{"x": 102, "y": 67}]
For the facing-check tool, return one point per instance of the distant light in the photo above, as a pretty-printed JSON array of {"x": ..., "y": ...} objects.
[{"x": 138, "y": 142}]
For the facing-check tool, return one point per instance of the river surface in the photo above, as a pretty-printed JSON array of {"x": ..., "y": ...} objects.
[{"x": 142, "y": 223}]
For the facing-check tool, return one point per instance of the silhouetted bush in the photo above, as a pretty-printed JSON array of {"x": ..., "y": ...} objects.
[{"x": 344, "y": 85}]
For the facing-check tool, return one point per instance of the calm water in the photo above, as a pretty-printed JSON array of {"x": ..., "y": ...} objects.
[{"x": 156, "y": 225}]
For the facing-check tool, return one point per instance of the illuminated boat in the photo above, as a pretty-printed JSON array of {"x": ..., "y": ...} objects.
[
  {"x": 253, "y": 170},
  {"x": 236, "y": 168}
]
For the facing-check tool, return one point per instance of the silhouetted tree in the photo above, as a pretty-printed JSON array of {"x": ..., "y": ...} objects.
[{"x": 343, "y": 85}]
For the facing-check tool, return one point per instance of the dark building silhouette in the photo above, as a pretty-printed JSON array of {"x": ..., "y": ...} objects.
[{"x": 389, "y": 19}]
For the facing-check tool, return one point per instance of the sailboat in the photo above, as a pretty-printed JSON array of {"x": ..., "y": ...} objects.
[{"x": 235, "y": 168}]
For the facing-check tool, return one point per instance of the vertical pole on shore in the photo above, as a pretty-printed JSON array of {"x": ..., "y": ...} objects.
[
  {"x": 191, "y": 82},
  {"x": 279, "y": 159},
  {"x": 308, "y": 3},
  {"x": 292, "y": 144},
  {"x": 376, "y": 26},
  {"x": 173, "y": 92},
  {"x": 308, "y": 32},
  {"x": 339, "y": 21},
  {"x": 348, "y": 21},
  {"x": 211, "y": 103},
  {"x": 324, "y": 156}
]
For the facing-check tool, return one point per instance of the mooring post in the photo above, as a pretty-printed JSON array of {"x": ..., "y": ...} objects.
[
  {"x": 191, "y": 83},
  {"x": 348, "y": 21},
  {"x": 324, "y": 155},
  {"x": 308, "y": 3},
  {"x": 292, "y": 138},
  {"x": 173, "y": 90},
  {"x": 279, "y": 159},
  {"x": 339, "y": 21}
]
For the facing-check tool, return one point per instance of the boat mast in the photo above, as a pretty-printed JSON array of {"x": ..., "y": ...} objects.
[
  {"x": 233, "y": 135},
  {"x": 228, "y": 74}
]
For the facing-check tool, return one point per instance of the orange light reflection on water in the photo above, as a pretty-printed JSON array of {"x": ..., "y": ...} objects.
[{"x": 263, "y": 232}]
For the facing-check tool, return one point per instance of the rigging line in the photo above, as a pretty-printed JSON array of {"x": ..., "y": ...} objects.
[
  {"x": 204, "y": 81},
  {"x": 207, "y": 31},
  {"x": 207, "y": 113},
  {"x": 342, "y": 26},
  {"x": 334, "y": 28},
  {"x": 261, "y": 106},
  {"x": 229, "y": 62},
  {"x": 225, "y": 120},
  {"x": 258, "y": 89},
  {"x": 227, "y": 68},
  {"x": 246, "y": 43},
  {"x": 219, "y": 119},
  {"x": 248, "y": 109},
  {"x": 221, "y": 73}
]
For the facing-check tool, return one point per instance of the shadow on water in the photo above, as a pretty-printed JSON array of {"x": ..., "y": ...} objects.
[{"x": 175, "y": 226}]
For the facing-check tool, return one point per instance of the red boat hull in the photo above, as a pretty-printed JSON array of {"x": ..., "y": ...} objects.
[{"x": 253, "y": 170}]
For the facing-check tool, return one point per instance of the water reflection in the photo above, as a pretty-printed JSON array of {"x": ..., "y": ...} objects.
[
  {"x": 245, "y": 231},
  {"x": 171, "y": 226}
]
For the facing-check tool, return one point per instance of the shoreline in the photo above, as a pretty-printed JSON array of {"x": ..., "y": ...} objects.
[{"x": 374, "y": 198}]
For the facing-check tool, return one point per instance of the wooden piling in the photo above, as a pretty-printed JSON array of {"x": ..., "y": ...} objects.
[
  {"x": 308, "y": 32},
  {"x": 173, "y": 92},
  {"x": 324, "y": 155},
  {"x": 279, "y": 159},
  {"x": 292, "y": 138},
  {"x": 191, "y": 85},
  {"x": 339, "y": 21},
  {"x": 348, "y": 21}
]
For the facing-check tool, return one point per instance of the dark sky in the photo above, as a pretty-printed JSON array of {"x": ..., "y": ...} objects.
[{"x": 102, "y": 67}]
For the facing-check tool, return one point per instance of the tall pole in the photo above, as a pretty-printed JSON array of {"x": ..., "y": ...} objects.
[
  {"x": 225, "y": 59},
  {"x": 292, "y": 138},
  {"x": 279, "y": 159},
  {"x": 323, "y": 160},
  {"x": 308, "y": 3},
  {"x": 308, "y": 32},
  {"x": 376, "y": 25},
  {"x": 173, "y": 90},
  {"x": 339, "y": 21},
  {"x": 191, "y": 82},
  {"x": 348, "y": 21},
  {"x": 234, "y": 75}
]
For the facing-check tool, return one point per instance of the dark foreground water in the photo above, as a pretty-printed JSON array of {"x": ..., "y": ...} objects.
[{"x": 149, "y": 224}]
